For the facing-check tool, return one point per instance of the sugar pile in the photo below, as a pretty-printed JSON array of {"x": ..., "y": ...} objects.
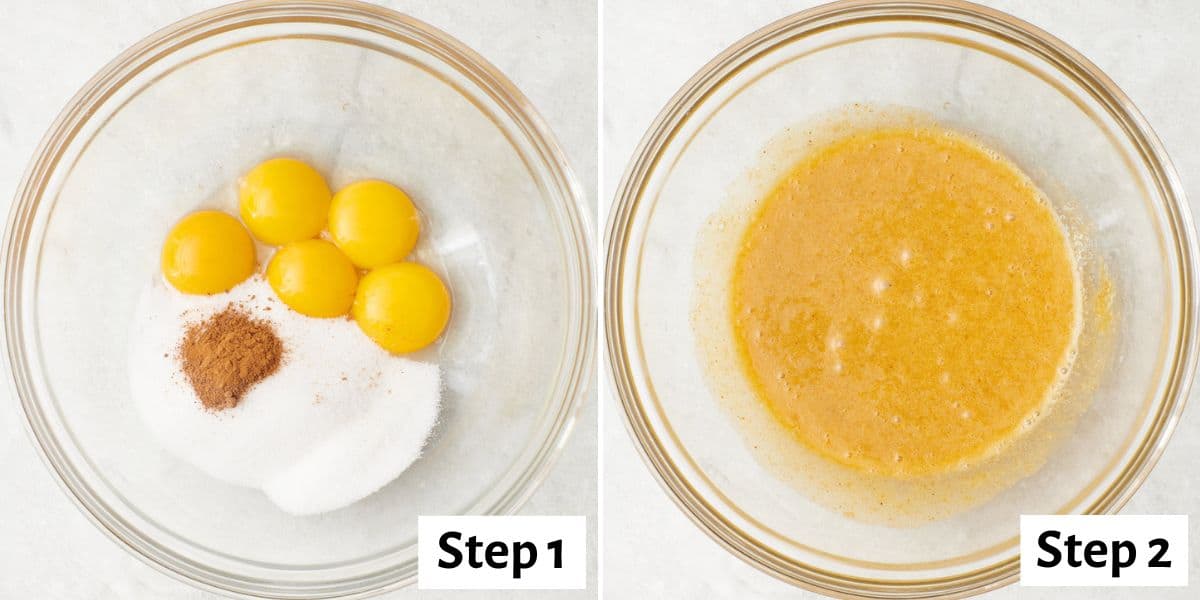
[{"x": 340, "y": 418}]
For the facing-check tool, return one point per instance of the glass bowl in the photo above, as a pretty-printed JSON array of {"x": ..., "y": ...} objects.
[
  {"x": 359, "y": 91},
  {"x": 971, "y": 69}
]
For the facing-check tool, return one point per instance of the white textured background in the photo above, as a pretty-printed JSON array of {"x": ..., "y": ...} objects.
[
  {"x": 48, "y": 49},
  {"x": 49, "y": 550},
  {"x": 1150, "y": 47}
]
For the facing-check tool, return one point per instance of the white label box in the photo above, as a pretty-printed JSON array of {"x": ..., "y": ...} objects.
[
  {"x": 501, "y": 553},
  {"x": 1104, "y": 550}
]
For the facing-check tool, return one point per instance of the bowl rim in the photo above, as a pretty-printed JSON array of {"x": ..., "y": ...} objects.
[
  {"x": 562, "y": 186},
  {"x": 676, "y": 114}
]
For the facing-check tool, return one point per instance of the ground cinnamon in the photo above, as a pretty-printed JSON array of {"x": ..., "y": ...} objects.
[{"x": 226, "y": 354}]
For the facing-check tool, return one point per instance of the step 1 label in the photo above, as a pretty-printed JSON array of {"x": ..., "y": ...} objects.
[
  {"x": 1104, "y": 551},
  {"x": 501, "y": 553}
]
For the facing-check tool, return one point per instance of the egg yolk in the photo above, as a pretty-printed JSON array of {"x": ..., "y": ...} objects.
[
  {"x": 314, "y": 278},
  {"x": 207, "y": 252},
  {"x": 402, "y": 306},
  {"x": 284, "y": 200},
  {"x": 374, "y": 223}
]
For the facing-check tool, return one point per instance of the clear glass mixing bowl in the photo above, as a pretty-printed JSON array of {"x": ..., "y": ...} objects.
[
  {"x": 973, "y": 69},
  {"x": 361, "y": 92}
]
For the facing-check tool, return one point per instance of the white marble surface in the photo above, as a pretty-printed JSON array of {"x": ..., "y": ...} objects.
[
  {"x": 650, "y": 550},
  {"x": 50, "y": 47}
]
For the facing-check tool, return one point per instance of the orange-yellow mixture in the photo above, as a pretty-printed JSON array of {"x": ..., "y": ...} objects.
[{"x": 904, "y": 301}]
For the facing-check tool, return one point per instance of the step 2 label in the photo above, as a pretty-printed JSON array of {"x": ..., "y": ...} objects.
[
  {"x": 1107, "y": 550},
  {"x": 501, "y": 553}
]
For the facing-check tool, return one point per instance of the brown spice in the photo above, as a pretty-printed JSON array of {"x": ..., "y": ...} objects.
[{"x": 226, "y": 354}]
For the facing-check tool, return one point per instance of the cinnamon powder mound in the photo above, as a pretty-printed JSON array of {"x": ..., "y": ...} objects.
[{"x": 226, "y": 354}]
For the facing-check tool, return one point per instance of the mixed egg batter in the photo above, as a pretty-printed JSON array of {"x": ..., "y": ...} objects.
[{"x": 905, "y": 301}]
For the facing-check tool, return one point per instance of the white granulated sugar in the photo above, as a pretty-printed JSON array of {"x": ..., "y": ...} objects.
[{"x": 340, "y": 418}]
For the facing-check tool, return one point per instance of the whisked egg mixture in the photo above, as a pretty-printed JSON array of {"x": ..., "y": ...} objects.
[
  {"x": 889, "y": 313},
  {"x": 904, "y": 301}
]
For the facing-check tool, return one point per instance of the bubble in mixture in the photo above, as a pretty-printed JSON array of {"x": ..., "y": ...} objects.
[{"x": 879, "y": 285}]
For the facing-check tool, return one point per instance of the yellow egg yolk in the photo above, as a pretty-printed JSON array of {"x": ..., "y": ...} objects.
[
  {"x": 284, "y": 200},
  {"x": 207, "y": 252},
  {"x": 374, "y": 223},
  {"x": 402, "y": 306},
  {"x": 314, "y": 278}
]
